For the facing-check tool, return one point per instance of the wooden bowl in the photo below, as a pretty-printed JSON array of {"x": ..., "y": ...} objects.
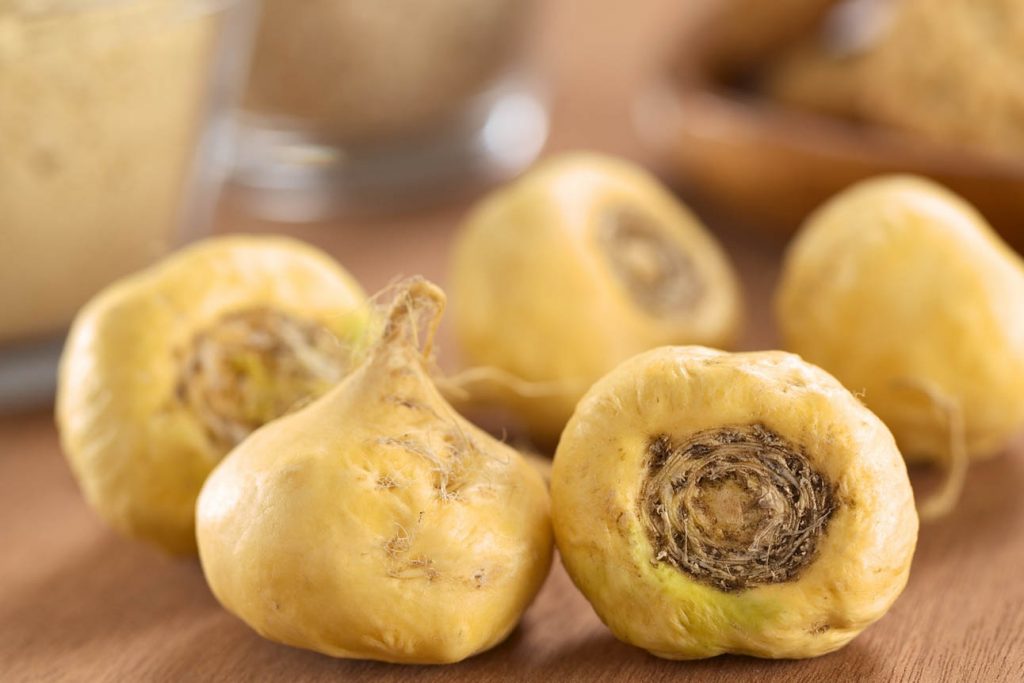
[{"x": 769, "y": 165}]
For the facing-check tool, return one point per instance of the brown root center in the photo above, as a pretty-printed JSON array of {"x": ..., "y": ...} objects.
[
  {"x": 656, "y": 272},
  {"x": 734, "y": 507},
  {"x": 254, "y": 365}
]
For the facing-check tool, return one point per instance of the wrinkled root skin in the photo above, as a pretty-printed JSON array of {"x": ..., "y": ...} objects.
[
  {"x": 164, "y": 371},
  {"x": 707, "y": 503},
  {"x": 903, "y": 291},
  {"x": 375, "y": 522},
  {"x": 581, "y": 263}
]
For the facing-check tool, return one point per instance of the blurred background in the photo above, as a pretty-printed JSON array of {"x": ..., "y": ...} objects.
[{"x": 130, "y": 127}]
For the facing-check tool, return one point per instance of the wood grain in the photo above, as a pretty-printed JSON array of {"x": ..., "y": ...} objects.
[{"x": 78, "y": 603}]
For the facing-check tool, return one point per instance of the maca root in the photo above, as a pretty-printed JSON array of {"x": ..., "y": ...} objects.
[
  {"x": 734, "y": 507},
  {"x": 660, "y": 277},
  {"x": 254, "y": 365}
]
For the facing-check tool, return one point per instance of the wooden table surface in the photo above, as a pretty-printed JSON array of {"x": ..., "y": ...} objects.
[{"x": 79, "y": 603}]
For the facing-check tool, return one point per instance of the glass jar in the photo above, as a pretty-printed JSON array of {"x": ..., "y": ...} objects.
[
  {"x": 366, "y": 102},
  {"x": 113, "y": 118}
]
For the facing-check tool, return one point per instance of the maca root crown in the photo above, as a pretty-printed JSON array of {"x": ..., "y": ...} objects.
[
  {"x": 658, "y": 274},
  {"x": 254, "y": 365},
  {"x": 734, "y": 507}
]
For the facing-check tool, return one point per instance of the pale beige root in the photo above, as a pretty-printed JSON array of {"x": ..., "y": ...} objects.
[
  {"x": 895, "y": 278},
  {"x": 957, "y": 459},
  {"x": 376, "y": 522},
  {"x": 168, "y": 369},
  {"x": 581, "y": 263},
  {"x": 709, "y": 503}
]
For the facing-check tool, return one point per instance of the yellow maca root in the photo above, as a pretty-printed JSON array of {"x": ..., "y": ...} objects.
[
  {"x": 165, "y": 371},
  {"x": 710, "y": 503},
  {"x": 903, "y": 292},
  {"x": 583, "y": 262},
  {"x": 376, "y": 523}
]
